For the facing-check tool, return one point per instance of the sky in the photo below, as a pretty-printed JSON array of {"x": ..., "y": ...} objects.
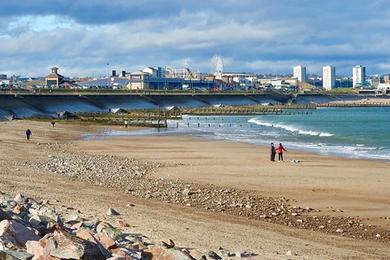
[{"x": 92, "y": 37}]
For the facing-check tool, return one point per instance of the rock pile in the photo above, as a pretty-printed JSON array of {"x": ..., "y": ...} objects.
[
  {"x": 37, "y": 230},
  {"x": 98, "y": 169},
  {"x": 136, "y": 178}
]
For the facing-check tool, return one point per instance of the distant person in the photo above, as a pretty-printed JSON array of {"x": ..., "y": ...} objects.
[
  {"x": 53, "y": 123},
  {"x": 273, "y": 152},
  {"x": 28, "y": 134},
  {"x": 126, "y": 123},
  {"x": 280, "y": 150}
]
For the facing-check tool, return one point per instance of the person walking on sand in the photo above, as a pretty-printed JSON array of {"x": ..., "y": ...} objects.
[
  {"x": 273, "y": 152},
  {"x": 28, "y": 134},
  {"x": 53, "y": 123},
  {"x": 280, "y": 150}
]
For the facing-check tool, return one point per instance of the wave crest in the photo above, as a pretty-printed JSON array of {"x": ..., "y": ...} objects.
[{"x": 289, "y": 128}]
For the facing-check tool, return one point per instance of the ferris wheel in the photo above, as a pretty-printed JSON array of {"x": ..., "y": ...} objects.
[{"x": 217, "y": 66}]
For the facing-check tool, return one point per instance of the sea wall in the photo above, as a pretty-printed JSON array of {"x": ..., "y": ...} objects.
[{"x": 24, "y": 106}]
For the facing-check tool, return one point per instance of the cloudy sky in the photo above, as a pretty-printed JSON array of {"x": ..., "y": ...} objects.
[{"x": 263, "y": 36}]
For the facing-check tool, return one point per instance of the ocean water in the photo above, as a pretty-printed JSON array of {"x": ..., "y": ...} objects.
[{"x": 346, "y": 132}]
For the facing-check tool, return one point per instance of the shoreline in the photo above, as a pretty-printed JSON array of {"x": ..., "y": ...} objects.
[{"x": 147, "y": 131}]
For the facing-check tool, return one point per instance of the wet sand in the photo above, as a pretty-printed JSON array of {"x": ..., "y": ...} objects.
[
  {"x": 336, "y": 186},
  {"x": 331, "y": 184}
]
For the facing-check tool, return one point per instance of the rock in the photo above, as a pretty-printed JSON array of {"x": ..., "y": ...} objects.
[
  {"x": 87, "y": 235},
  {"x": 106, "y": 228},
  {"x": 15, "y": 234},
  {"x": 112, "y": 212},
  {"x": 4, "y": 215},
  {"x": 213, "y": 255},
  {"x": 160, "y": 253},
  {"x": 127, "y": 254},
  {"x": 15, "y": 255},
  {"x": 167, "y": 244},
  {"x": 35, "y": 221},
  {"x": 378, "y": 236},
  {"x": 66, "y": 246},
  {"x": 20, "y": 210},
  {"x": 187, "y": 192},
  {"x": 289, "y": 253},
  {"x": 19, "y": 198},
  {"x": 339, "y": 230},
  {"x": 243, "y": 254},
  {"x": 73, "y": 218},
  {"x": 106, "y": 241},
  {"x": 76, "y": 225},
  {"x": 40, "y": 248}
]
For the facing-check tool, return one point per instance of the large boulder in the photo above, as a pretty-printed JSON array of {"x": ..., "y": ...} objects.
[
  {"x": 15, "y": 255},
  {"x": 15, "y": 235},
  {"x": 62, "y": 245}
]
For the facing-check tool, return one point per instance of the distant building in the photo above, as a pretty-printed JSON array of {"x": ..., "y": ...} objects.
[
  {"x": 105, "y": 83},
  {"x": 299, "y": 72},
  {"x": 358, "y": 75},
  {"x": 137, "y": 80},
  {"x": 383, "y": 88},
  {"x": 54, "y": 79},
  {"x": 3, "y": 76},
  {"x": 386, "y": 78},
  {"x": 328, "y": 77},
  {"x": 155, "y": 72}
]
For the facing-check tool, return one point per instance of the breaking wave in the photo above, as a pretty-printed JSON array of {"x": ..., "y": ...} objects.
[{"x": 289, "y": 128}]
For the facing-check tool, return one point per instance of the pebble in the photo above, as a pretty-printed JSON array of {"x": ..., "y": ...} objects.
[{"x": 112, "y": 212}]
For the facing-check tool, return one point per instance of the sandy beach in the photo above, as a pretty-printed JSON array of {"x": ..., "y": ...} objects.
[{"x": 333, "y": 187}]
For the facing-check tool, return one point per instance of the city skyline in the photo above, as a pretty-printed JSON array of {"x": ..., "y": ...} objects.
[{"x": 252, "y": 36}]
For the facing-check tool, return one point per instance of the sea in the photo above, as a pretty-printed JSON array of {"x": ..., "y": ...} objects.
[{"x": 345, "y": 132}]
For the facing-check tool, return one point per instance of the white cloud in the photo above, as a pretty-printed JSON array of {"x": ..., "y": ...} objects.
[{"x": 262, "y": 36}]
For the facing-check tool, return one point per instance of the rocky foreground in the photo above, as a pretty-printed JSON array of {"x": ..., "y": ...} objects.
[
  {"x": 31, "y": 229},
  {"x": 136, "y": 177}
]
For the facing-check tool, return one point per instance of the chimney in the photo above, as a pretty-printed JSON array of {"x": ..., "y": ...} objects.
[
  {"x": 113, "y": 74},
  {"x": 123, "y": 73}
]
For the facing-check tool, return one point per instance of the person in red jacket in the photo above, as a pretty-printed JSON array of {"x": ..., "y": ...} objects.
[{"x": 280, "y": 150}]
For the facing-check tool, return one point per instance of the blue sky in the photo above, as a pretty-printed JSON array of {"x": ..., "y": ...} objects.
[{"x": 263, "y": 36}]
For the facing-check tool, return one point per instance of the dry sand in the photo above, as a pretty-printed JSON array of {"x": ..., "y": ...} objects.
[{"x": 334, "y": 185}]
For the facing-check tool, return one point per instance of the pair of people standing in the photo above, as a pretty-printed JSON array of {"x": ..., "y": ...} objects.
[{"x": 280, "y": 149}]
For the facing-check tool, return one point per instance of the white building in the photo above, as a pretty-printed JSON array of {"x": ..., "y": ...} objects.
[
  {"x": 328, "y": 77},
  {"x": 358, "y": 75},
  {"x": 384, "y": 88},
  {"x": 300, "y": 73}
]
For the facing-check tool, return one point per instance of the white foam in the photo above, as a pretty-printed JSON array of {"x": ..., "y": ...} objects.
[{"x": 289, "y": 128}]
